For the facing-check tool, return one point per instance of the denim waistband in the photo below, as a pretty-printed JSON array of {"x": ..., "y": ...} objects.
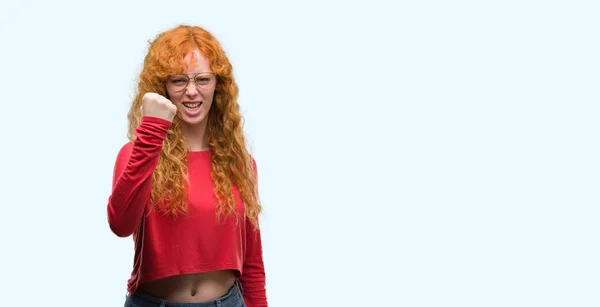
[{"x": 230, "y": 299}]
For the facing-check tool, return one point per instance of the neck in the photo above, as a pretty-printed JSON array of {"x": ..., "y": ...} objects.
[{"x": 195, "y": 136}]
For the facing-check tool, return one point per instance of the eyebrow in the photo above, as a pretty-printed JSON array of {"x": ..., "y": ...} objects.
[{"x": 195, "y": 73}]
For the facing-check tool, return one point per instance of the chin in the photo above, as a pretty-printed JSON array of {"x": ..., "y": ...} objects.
[{"x": 193, "y": 121}]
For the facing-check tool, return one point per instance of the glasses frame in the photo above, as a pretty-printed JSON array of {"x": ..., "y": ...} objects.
[{"x": 192, "y": 79}]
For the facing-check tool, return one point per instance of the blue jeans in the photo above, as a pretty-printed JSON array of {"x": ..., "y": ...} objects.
[{"x": 233, "y": 298}]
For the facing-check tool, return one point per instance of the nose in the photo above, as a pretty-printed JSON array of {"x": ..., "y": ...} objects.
[{"x": 191, "y": 89}]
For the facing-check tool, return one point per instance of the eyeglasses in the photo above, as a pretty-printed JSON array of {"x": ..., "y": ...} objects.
[{"x": 203, "y": 80}]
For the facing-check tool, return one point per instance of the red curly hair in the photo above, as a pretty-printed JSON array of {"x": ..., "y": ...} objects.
[{"x": 231, "y": 162}]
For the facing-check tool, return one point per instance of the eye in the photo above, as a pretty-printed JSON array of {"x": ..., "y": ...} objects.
[
  {"x": 202, "y": 80},
  {"x": 178, "y": 81}
]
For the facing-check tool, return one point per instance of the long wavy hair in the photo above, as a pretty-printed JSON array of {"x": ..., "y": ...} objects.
[{"x": 231, "y": 162}]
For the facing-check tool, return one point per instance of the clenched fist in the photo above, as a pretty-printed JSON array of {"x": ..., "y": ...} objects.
[{"x": 156, "y": 105}]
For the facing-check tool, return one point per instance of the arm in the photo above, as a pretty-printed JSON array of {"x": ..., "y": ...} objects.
[
  {"x": 132, "y": 176},
  {"x": 253, "y": 276}
]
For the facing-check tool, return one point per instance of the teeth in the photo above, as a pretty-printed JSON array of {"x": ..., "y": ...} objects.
[{"x": 191, "y": 105}]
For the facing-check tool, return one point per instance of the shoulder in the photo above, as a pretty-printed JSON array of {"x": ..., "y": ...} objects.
[
  {"x": 125, "y": 151},
  {"x": 122, "y": 158},
  {"x": 253, "y": 161},
  {"x": 126, "y": 148}
]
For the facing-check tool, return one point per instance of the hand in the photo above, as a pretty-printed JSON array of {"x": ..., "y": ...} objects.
[{"x": 156, "y": 105}]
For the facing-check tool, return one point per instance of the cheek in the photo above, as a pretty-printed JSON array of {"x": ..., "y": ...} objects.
[
  {"x": 209, "y": 97},
  {"x": 174, "y": 97}
]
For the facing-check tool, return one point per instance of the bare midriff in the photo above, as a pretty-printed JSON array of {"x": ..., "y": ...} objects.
[{"x": 190, "y": 288}]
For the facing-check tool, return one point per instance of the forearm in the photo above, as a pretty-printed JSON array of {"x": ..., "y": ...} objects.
[
  {"x": 253, "y": 276},
  {"x": 132, "y": 179}
]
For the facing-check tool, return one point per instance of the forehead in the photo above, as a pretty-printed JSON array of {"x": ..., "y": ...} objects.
[{"x": 196, "y": 62}]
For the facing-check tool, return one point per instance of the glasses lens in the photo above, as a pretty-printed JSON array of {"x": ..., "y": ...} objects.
[
  {"x": 205, "y": 81},
  {"x": 178, "y": 82}
]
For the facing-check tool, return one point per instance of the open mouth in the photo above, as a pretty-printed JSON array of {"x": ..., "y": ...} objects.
[{"x": 192, "y": 105}]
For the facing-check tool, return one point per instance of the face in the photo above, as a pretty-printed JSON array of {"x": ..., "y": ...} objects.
[{"x": 193, "y": 95}]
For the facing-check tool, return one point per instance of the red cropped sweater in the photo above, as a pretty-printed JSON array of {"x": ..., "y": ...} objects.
[{"x": 189, "y": 243}]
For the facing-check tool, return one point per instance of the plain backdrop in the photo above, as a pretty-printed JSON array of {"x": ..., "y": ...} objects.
[{"x": 410, "y": 153}]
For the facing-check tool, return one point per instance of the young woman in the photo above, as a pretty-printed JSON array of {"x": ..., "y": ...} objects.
[{"x": 185, "y": 186}]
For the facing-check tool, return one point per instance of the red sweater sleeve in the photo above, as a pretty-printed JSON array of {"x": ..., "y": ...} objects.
[
  {"x": 132, "y": 176},
  {"x": 253, "y": 276},
  {"x": 253, "y": 273}
]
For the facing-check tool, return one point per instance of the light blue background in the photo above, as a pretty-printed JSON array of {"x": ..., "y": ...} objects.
[{"x": 423, "y": 153}]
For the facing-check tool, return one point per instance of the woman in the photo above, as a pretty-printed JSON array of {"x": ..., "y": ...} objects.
[{"x": 185, "y": 185}]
